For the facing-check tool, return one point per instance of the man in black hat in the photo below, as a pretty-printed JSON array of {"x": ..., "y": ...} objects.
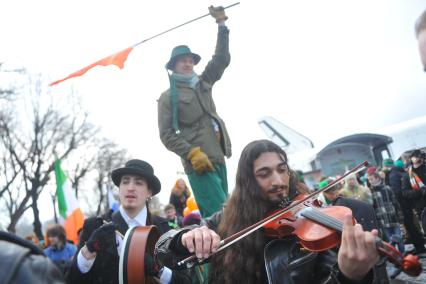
[
  {"x": 97, "y": 259},
  {"x": 189, "y": 124},
  {"x": 418, "y": 167},
  {"x": 413, "y": 186},
  {"x": 414, "y": 183}
]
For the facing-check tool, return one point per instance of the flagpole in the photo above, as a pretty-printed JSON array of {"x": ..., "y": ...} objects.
[
  {"x": 188, "y": 22},
  {"x": 120, "y": 57},
  {"x": 54, "y": 207}
]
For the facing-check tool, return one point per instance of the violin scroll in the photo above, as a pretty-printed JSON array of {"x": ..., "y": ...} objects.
[{"x": 411, "y": 265}]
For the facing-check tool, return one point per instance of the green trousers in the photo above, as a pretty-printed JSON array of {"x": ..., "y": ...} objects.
[{"x": 210, "y": 189}]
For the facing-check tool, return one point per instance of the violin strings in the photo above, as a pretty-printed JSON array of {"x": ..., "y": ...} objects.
[
  {"x": 322, "y": 218},
  {"x": 338, "y": 225}
]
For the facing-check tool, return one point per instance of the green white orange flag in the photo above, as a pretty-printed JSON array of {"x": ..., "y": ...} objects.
[
  {"x": 116, "y": 59},
  {"x": 68, "y": 205},
  {"x": 119, "y": 58}
]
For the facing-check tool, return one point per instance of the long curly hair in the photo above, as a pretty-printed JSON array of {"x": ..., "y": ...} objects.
[{"x": 242, "y": 262}]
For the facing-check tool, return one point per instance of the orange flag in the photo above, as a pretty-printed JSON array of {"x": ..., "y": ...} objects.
[{"x": 117, "y": 59}]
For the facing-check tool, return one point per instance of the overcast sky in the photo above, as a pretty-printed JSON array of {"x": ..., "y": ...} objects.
[{"x": 325, "y": 68}]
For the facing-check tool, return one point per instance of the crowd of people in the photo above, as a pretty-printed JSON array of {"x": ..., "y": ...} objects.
[
  {"x": 387, "y": 201},
  {"x": 396, "y": 193}
]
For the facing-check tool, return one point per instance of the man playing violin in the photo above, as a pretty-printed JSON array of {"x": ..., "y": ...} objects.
[
  {"x": 265, "y": 183},
  {"x": 97, "y": 259}
]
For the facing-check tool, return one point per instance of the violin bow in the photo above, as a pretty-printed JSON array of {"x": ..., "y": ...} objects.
[{"x": 247, "y": 231}]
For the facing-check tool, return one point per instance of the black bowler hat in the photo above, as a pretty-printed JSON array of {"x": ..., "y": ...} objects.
[{"x": 140, "y": 168}]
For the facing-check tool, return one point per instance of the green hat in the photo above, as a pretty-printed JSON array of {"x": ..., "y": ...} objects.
[
  {"x": 179, "y": 51},
  {"x": 323, "y": 184},
  {"x": 399, "y": 164},
  {"x": 388, "y": 162}
]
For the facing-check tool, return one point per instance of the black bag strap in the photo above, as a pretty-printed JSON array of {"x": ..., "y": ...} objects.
[
  {"x": 21, "y": 259},
  {"x": 8, "y": 237}
]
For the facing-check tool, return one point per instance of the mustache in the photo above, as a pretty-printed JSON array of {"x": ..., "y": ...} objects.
[{"x": 277, "y": 188}]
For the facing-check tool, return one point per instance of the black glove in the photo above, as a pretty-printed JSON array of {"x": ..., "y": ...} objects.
[
  {"x": 102, "y": 239},
  {"x": 151, "y": 268}
]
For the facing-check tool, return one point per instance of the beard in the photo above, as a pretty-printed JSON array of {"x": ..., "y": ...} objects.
[{"x": 277, "y": 194}]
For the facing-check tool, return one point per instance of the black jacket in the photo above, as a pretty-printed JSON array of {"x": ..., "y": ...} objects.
[
  {"x": 285, "y": 261},
  {"x": 414, "y": 198},
  {"x": 361, "y": 211},
  {"x": 395, "y": 179},
  {"x": 106, "y": 265},
  {"x": 421, "y": 172}
]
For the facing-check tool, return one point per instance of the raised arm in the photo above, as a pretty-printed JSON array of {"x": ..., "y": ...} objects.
[{"x": 221, "y": 58}]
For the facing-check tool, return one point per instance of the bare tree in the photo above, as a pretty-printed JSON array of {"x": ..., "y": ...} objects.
[
  {"x": 8, "y": 92},
  {"x": 110, "y": 157},
  {"x": 33, "y": 144}
]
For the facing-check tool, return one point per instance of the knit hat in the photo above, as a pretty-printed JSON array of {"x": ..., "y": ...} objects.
[
  {"x": 327, "y": 182},
  {"x": 370, "y": 171},
  {"x": 387, "y": 162},
  {"x": 399, "y": 164},
  {"x": 194, "y": 218},
  {"x": 323, "y": 184}
]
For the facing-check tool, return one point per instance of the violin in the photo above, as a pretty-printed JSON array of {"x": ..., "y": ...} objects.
[{"x": 318, "y": 229}]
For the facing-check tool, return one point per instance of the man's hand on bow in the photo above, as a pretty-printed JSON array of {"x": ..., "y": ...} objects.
[{"x": 201, "y": 241}]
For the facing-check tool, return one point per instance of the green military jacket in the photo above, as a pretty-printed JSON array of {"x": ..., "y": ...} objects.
[{"x": 196, "y": 109}]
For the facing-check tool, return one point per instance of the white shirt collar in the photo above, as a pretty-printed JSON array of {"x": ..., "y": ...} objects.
[{"x": 138, "y": 220}]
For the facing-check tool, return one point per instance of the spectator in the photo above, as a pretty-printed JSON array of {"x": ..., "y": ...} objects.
[
  {"x": 413, "y": 184},
  {"x": 327, "y": 197},
  {"x": 180, "y": 193},
  {"x": 408, "y": 205},
  {"x": 386, "y": 209},
  {"x": 59, "y": 250},
  {"x": 396, "y": 173},
  {"x": 33, "y": 238},
  {"x": 352, "y": 189},
  {"x": 174, "y": 220},
  {"x": 387, "y": 166}
]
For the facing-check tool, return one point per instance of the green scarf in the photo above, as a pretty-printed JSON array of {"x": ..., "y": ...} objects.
[{"x": 191, "y": 80}]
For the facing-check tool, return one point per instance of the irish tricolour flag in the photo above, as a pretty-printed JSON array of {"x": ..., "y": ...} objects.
[{"x": 68, "y": 204}]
